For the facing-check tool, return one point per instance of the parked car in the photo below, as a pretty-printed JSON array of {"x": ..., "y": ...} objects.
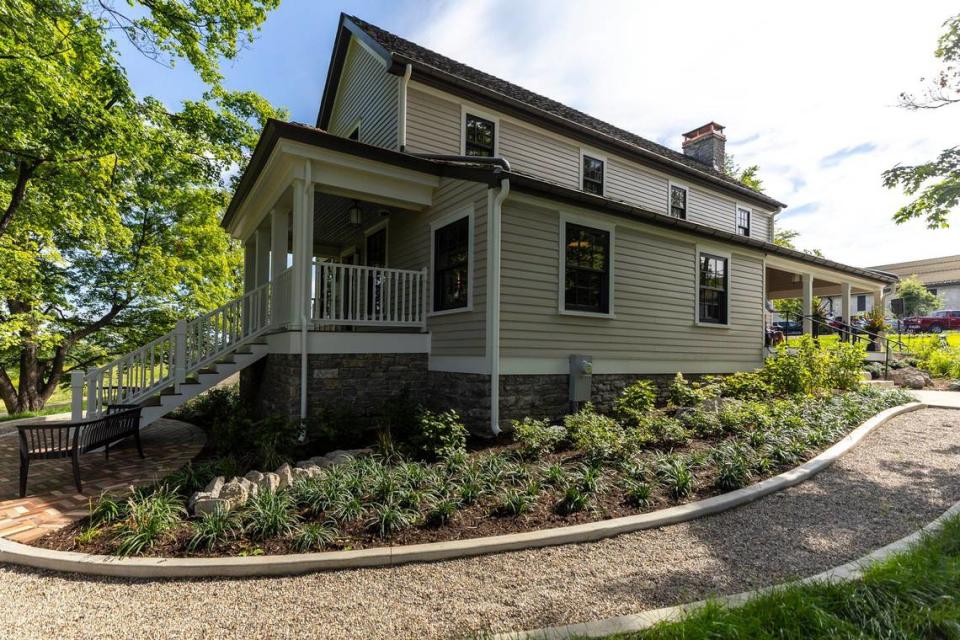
[
  {"x": 788, "y": 327},
  {"x": 934, "y": 323}
]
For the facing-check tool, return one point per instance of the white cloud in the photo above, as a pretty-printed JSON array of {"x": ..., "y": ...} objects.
[{"x": 806, "y": 91}]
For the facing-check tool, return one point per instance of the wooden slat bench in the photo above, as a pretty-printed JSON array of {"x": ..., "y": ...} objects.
[{"x": 53, "y": 440}]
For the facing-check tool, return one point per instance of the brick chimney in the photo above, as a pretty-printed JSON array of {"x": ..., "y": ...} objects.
[{"x": 706, "y": 144}]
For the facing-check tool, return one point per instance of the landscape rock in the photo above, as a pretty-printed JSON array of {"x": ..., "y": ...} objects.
[
  {"x": 911, "y": 378},
  {"x": 213, "y": 487},
  {"x": 954, "y": 386},
  {"x": 210, "y": 505},
  {"x": 249, "y": 485},
  {"x": 196, "y": 497},
  {"x": 234, "y": 493},
  {"x": 299, "y": 473},
  {"x": 254, "y": 476},
  {"x": 269, "y": 482},
  {"x": 286, "y": 476}
]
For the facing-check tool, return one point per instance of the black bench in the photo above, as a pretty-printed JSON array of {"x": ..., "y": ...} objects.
[{"x": 53, "y": 440}]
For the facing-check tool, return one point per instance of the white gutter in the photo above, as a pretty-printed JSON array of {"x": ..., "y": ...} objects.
[
  {"x": 494, "y": 208},
  {"x": 402, "y": 112}
]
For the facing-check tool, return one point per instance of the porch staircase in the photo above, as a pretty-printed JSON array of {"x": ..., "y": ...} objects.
[{"x": 196, "y": 356}]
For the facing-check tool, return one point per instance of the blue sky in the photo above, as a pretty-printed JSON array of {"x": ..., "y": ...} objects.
[{"x": 809, "y": 93}]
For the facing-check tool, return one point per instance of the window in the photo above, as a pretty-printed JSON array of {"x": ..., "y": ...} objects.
[
  {"x": 933, "y": 291},
  {"x": 586, "y": 269},
  {"x": 743, "y": 222},
  {"x": 593, "y": 175},
  {"x": 713, "y": 289},
  {"x": 861, "y": 303},
  {"x": 678, "y": 202},
  {"x": 355, "y": 134},
  {"x": 451, "y": 265},
  {"x": 479, "y": 136}
]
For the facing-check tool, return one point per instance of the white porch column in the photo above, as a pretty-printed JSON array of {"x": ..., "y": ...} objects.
[
  {"x": 806, "y": 282},
  {"x": 279, "y": 230},
  {"x": 262, "y": 271},
  {"x": 302, "y": 248},
  {"x": 250, "y": 263},
  {"x": 845, "y": 306}
]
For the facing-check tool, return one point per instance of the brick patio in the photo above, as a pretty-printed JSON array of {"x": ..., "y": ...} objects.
[{"x": 52, "y": 500}]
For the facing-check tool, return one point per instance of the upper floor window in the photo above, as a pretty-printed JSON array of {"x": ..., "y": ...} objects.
[
  {"x": 593, "y": 175},
  {"x": 712, "y": 291},
  {"x": 451, "y": 265},
  {"x": 743, "y": 221},
  {"x": 586, "y": 269},
  {"x": 479, "y": 136},
  {"x": 678, "y": 201}
]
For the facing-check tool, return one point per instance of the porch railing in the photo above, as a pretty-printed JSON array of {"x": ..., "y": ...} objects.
[{"x": 346, "y": 294}]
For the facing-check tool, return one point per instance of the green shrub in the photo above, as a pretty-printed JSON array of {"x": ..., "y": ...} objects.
[
  {"x": 438, "y": 435},
  {"x": 599, "y": 437},
  {"x": 218, "y": 405},
  {"x": 514, "y": 502},
  {"x": 149, "y": 519},
  {"x": 636, "y": 400},
  {"x": 270, "y": 514},
  {"x": 574, "y": 500},
  {"x": 213, "y": 528},
  {"x": 683, "y": 394},
  {"x": 193, "y": 477},
  {"x": 844, "y": 366},
  {"x": 676, "y": 476},
  {"x": 746, "y": 385},
  {"x": 664, "y": 431},
  {"x": 638, "y": 492},
  {"x": 387, "y": 518},
  {"x": 537, "y": 437},
  {"x": 314, "y": 536},
  {"x": 704, "y": 424}
]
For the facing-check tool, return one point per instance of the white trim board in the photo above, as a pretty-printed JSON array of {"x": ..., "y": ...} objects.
[
  {"x": 460, "y": 364},
  {"x": 330, "y": 342},
  {"x": 551, "y": 366}
]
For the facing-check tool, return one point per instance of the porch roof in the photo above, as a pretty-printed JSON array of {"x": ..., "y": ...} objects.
[{"x": 276, "y": 130}]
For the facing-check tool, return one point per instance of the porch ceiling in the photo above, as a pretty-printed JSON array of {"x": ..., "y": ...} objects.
[{"x": 787, "y": 284}]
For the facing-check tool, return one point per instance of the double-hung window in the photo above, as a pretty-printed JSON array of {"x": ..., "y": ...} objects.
[
  {"x": 678, "y": 201},
  {"x": 451, "y": 265},
  {"x": 743, "y": 221},
  {"x": 593, "y": 175},
  {"x": 713, "y": 289},
  {"x": 586, "y": 271},
  {"x": 479, "y": 136}
]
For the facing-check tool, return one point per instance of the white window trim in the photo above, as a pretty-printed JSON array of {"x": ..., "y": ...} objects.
[
  {"x": 593, "y": 223},
  {"x": 596, "y": 156},
  {"x": 736, "y": 215},
  {"x": 480, "y": 113},
  {"x": 464, "y": 212},
  {"x": 670, "y": 185},
  {"x": 369, "y": 231},
  {"x": 720, "y": 253}
]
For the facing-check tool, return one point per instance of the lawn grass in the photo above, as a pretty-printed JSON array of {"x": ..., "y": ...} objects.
[
  {"x": 915, "y": 594},
  {"x": 59, "y": 402},
  {"x": 910, "y": 340}
]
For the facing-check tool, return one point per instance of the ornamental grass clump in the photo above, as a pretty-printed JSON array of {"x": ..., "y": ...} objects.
[
  {"x": 270, "y": 514},
  {"x": 732, "y": 467},
  {"x": 390, "y": 517},
  {"x": 214, "y": 528},
  {"x": 107, "y": 509},
  {"x": 314, "y": 536},
  {"x": 676, "y": 476},
  {"x": 573, "y": 501},
  {"x": 442, "y": 511},
  {"x": 150, "y": 518},
  {"x": 514, "y": 502},
  {"x": 638, "y": 492}
]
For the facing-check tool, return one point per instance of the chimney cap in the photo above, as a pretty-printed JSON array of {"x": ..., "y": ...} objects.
[{"x": 710, "y": 127}]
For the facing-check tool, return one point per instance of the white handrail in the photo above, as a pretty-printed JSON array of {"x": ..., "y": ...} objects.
[
  {"x": 347, "y": 294},
  {"x": 133, "y": 377}
]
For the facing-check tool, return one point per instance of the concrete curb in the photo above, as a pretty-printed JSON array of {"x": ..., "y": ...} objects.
[
  {"x": 646, "y": 619},
  {"x": 21, "y": 554}
]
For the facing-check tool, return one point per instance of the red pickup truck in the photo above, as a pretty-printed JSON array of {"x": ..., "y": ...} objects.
[{"x": 934, "y": 323}]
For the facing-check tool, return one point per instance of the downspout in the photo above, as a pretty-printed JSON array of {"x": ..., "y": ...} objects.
[
  {"x": 402, "y": 113},
  {"x": 305, "y": 310},
  {"x": 494, "y": 210}
]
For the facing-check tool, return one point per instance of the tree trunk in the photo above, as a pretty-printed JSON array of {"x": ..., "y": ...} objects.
[{"x": 25, "y": 171}]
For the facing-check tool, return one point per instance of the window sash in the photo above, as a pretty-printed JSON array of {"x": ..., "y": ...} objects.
[
  {"x": 451, "y": 265},
  {"x": 479, "y": 136},
  {"x": 586, "y": 269},
  {"x": 593, "y": 175},
  {"x": 743, "y": 222},
  {"x": 713, "y": 283},
  {"x": 678, "y": 202}
]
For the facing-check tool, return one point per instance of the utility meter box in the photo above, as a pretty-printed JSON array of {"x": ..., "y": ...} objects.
[{"x": 581, "y": 376}]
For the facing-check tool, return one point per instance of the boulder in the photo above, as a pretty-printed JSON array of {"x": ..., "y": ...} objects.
[
  {"x": 298, "y": 474},
  {"x": 196, "y": 497},
  {"x": 286, "y": 475},
  {"x": 249, "y": 485},
  {"x": 213, "y": 487},
  {"x": 234, "y": 493},
  {"x": 954, "y": 386},
  {"x": 910, "y": 378},
  {"x": 268, "y": 482},
  {"x": 210, "y": 505},
  {"x": 254, "y": 476}
]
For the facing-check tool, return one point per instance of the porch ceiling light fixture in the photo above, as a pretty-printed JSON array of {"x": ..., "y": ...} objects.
[{"x": 356, "y": 213}]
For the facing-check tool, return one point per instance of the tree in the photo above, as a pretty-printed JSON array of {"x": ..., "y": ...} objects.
[
  {"x": 935, "y": 185},
  {"x": 748, "y": 176},
  {"x": 110, "y": 226},
  {"x": 917, "y": 299}
]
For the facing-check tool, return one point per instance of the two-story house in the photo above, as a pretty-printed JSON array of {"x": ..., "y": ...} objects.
[{"x": 447, "y": 231}]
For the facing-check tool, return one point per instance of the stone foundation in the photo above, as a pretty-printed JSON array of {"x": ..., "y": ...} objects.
[
  {"x": 354, "y": 384},
  {"x": 467, "y": 393}
]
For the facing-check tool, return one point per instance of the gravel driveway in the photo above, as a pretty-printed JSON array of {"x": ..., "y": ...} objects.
[{"x": 903, "y": 475}]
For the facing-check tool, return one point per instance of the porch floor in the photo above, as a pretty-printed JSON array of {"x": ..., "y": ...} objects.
[{"x": 52, "y": 501}]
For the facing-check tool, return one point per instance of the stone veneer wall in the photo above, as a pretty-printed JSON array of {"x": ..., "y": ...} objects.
[
  {"x": 548, "y": 395},
  {"x": 354, "y": 382},
  {"x": 467, "y": 393}
]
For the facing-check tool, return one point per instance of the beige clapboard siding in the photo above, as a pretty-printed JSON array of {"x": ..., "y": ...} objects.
[
  {"x": 433, "y": 126},
  {"x": 654, "y": 299},
  {"x": 408, "y": 238},
  {"x": 369, "y": 94}
]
